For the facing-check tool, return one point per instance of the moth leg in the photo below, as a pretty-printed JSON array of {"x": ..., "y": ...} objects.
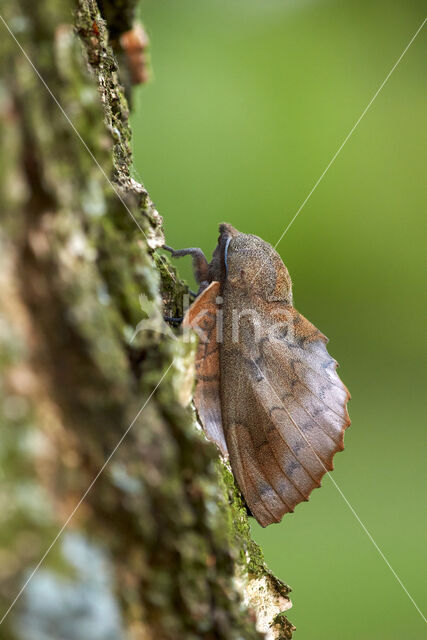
[
  {"x": 200, "y": 264},
  {"x": 175, "y": 322}
]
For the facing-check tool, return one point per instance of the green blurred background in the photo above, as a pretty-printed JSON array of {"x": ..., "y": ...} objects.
[{"x": 249, "y": 102}]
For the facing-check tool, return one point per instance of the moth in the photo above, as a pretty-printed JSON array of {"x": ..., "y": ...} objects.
[{"x": 267, "y": 391}]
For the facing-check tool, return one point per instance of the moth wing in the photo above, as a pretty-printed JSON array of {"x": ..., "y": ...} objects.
[
  {"x": 284, "y": 411},
  {"x": 202, "y": 317}
]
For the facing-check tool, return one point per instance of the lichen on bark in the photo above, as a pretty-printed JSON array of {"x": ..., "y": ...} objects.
[{"x": 78, "y": 250}]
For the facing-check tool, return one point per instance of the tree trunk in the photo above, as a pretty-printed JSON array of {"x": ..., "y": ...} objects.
[{"x": 160, "y": 546}]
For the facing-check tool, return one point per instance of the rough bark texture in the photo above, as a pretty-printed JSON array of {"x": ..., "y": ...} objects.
[{"x": 160, "y": 548}]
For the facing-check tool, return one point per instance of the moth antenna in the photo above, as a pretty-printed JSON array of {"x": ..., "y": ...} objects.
[{"x": 226, "y": 255}]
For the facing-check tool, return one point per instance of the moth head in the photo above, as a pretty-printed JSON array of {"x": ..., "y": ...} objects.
[{"x": 248, "y": 263}]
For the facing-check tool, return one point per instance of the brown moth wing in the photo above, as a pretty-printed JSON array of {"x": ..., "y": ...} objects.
[
  {"x": 202, "y": 316},
  {"x": 283, "y": 405}
]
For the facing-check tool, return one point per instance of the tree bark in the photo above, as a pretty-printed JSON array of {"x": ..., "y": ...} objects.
[{"x": 160, "y": 546}]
